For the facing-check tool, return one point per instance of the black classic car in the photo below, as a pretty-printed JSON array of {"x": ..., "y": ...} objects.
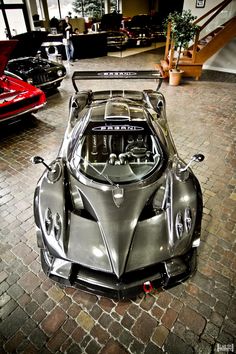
[
  {"x": 117, "y": 40},
  {"x": 118, "y": 212},
  {"x": 25, "y": 62}
]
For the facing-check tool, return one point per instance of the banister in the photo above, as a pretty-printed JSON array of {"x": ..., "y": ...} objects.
[
  {"x": 215, "y": 11},
  {"x": 169, "y": 50},
  {"x": 218, "y": 7},
  {"x": 171, "y": 57},
  {"x": 168, "y": 34},
  {"x": 195, "y": 44}
]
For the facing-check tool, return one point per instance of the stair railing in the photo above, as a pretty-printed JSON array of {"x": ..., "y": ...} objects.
[
  {"x": 214, "y": 11},
  {"x": 169, "y": 50}
]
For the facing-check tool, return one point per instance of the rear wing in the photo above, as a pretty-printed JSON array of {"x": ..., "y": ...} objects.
[{"x": 111, "y": 75}]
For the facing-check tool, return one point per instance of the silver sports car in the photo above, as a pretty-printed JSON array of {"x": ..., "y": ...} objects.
[{"x": 118, "y": 212}]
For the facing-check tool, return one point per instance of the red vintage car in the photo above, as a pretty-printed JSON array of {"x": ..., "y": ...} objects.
[{"x": 16, "y": 96}]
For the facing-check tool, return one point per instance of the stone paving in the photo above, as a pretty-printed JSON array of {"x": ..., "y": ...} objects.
[{"x": 198, "y": 316}]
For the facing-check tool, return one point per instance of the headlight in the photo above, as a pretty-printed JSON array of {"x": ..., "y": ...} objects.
[
  {"x": 48, "y": 221},
  {"x": 188, "y": 219},
  {"x": 57, "y": 226},
  {"x": 179, "y": 225},
  {"x": 30, "y": 80},
  {"x": 59, "y": 73},
  {"x": 183, "y": 223},
  {"x": 53, "y": 224}
]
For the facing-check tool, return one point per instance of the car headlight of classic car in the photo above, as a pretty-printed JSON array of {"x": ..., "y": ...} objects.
[
  {"x": 59, "y": 73},
  {"x": 30, "y": 80}
]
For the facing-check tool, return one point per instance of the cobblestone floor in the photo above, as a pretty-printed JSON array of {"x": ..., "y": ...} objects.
[{"x": 198, "y": 316}]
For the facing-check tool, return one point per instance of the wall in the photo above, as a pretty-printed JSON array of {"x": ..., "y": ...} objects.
[
  {"x": 130, "y": 8},
  {"x": 78, "y": 23},
  {"x": 134, "y": 7},
  {"x": 225, "y": 59}
]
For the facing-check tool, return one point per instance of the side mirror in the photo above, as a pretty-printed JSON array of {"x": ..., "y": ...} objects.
[
  {"x": 38, "y": 159},
  {"x": 198, "y": 157},
  {"x": 194, "y": 158}
]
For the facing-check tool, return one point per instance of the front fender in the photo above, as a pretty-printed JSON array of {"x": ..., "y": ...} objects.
[
  {"x": 184, "y": 213},
  {"x": 49, "y": 209}
]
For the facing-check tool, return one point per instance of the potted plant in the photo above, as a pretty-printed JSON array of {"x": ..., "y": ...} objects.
[{"x": 182, "y": 32}]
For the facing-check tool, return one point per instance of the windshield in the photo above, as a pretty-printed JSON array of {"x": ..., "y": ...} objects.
[{"x": 117, "y": 153}]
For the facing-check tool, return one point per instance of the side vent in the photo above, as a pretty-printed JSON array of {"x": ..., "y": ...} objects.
[{"x": 154, "y": 100}]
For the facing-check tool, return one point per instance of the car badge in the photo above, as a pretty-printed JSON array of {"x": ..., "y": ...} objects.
[
  {"x": 117, "y": 128},
  {"x": 118, "y": 196}
]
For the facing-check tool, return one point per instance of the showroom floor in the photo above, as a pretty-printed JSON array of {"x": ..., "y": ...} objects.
[{"x": 198, "y": 316}]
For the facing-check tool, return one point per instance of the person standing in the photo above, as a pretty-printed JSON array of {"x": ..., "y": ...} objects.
[{"x": 67, "y": 34}]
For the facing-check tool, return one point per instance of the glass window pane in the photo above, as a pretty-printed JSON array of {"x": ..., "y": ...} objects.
[
  {"x": 53, "y": 8},
  {"x": 65, "y": 6},
  {"x": 40, "y": 9},
  {"x": 16, "y": 21},
  {"x": 2, "y": 27}
]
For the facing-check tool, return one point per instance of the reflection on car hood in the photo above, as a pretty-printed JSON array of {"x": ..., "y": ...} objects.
[
  {"x": 6, "y": 48},
  {"x": 29, "y": 43}
]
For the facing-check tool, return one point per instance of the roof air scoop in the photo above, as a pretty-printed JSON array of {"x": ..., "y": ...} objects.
[{"x": 117, "y": 111}]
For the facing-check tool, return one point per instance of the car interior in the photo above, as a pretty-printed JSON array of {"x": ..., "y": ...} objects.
[{"x": 123, "y": 157}]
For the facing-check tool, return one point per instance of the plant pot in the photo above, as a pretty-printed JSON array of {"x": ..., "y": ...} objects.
[{"x": 175, "y": 77}]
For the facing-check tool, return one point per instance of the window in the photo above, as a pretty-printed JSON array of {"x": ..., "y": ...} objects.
[
  {"x": 54, "y": 10},
  {"x": 16, "y": 21},
  {"x": 13, "y": 18},
  {"x": 40, "y": 11},
  {"x": 3, "y": 31}
]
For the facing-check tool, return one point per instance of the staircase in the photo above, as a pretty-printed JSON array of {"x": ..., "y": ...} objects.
[{"x": 202, "y": 49}]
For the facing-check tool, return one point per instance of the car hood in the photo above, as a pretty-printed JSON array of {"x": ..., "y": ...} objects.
[
  {"x": 28, "y": 44},
  {"x": 6, "y": 48},
  {"x": 117, "y": 225}
]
